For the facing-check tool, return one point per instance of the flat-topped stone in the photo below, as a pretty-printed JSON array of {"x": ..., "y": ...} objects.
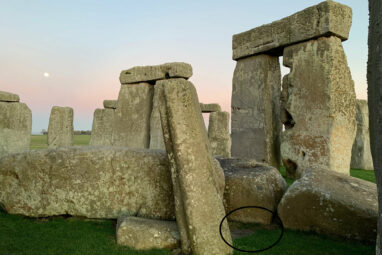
[
  {"x": 110, "y": 104},
  {"x": 206, "y": 108},
  {"x": 154, "y": 73},
  {"x": 325, "y": 19},
  {"x": 8, "y": 97}
]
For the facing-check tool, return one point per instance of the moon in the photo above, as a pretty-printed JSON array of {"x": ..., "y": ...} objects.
[{"x": 46, "y": 75}]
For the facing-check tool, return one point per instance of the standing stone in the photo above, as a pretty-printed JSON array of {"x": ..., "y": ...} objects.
[
  {"x": 60, "y": 130},
  {"x": 132, "y": 116},
  {"x": 374, "y": 80},
  {"x": 110, "y": 104},
  {"x": 102, "y": 130},
  {"x": 218, "y": 134},
  {"x": 15, "y": 125},
  {"x": 198, "y": 199},
  {"x": 361, "y": 153},
  {"x": 318, "y": 107},
  {"x": 255, "y": 106},
  {"x": 156, "y": 132}
]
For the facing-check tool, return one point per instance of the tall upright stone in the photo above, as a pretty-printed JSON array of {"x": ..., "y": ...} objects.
[
  {"x": 156, "y": 133},
  {"x": 132, "y": 116},
  {"x": 102, "y": 129},
  {"x": 318, "y": 107},
  {"x": 255, "y": 109},
  {"x": 218, "y": 134},
  {"x": 361, "y": 153},
  {"x": 60, "y": 130},
  {"x": 198, "y": 198},
  {"x": 15, "y": 124}
]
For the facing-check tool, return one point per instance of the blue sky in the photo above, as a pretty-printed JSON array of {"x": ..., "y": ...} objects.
[{"x": 84, "y": 45}]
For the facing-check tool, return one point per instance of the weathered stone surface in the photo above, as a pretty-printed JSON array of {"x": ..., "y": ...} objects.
[
  {"x": 156, "y": 132},
  {"x": 218, "y": 134},
  {"x": 361, "y": 153},
  {"x": 96, "y": 182},
  {"x": 60, "y": 130},
  {"x": 158, "y": 72},
  {"x": 110, "y": 104},
  {"x": 15, "y": 127},
  {"x": 374, "y": 81},
  {"x": 198, "y": 202},
  {"x": 318, "y": 107},
  {"x": 331, "y": 203},
  {"x": 102, "y": 130},
  {"x": 206, "y": 108},
  {"x": 255, "y": 107},
  {"x": 132, "y": 116},
  {"x": 251, "y": 184},
  {"x": 325, "y": 19},
  {"x": 8, "y": 97},
  {"x": 147, "y": 234}
]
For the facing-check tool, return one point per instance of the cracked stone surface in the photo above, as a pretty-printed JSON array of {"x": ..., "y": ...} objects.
[
  {"x": 331, "y": 203},
  {"x": 318, "y": 108},
  {"x": 325, "y": 19},
  {"x": 60, "y": 130}
]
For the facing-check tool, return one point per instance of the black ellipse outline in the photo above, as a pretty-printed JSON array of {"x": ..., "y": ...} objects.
[{"x": 258, "y": 207}]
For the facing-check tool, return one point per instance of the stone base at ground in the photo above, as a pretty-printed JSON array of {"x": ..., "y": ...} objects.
[
  {"x": 251, "y": 184},
  {"x": 331, "y": 203},
  {"x": 95, "y": 182},
  {"x": 147, "y": 234},
  {"x": 15, "y": 127}
]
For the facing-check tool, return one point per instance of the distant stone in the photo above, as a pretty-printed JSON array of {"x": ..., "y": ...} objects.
[
  {"x": 361, "y": 154},
  {"x": 198, "y": 201},
  {"x": 207, "y": 108},
  {"x": 156, "y": 132},
  {"x": 102, "y": 129},
  {"x": 15, "y": 127},
  {"x": 147, "y": 234},
  {"x": 132, "y": 116},
  {"x": 95, "y": 182},
  {"x": 218, "y": 134},
  {"x": 8, "y": 97},
  {"x": 60, "y": 130},
  {"x": 331, "y": 203},
  {"x": 153, "y": 73},
  {"x": 328, "y": 18},
  {"x": 251, "y": 184},
  {"x": 110, "y": 104},
  {"x": 318, "y": 107}
]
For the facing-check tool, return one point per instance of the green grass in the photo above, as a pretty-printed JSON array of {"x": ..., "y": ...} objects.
[
  {"x": 55, "y": 236},
  {"x": 39, "y": 142}
]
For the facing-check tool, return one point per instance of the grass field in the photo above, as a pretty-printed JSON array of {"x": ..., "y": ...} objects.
[{"x": 60, "y": 236}]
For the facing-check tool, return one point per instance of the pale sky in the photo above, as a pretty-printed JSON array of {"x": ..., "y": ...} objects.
[{"x": 70, "y": 53}]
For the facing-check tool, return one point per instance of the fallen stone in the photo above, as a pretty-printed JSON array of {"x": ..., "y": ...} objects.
[
  {"x": 110, "y": 104},
  {"x": 95, "y": 182},
  {"x": 255, "y": 107},
  {"x": 207, "y": 108},
  {"x": 8, "y": 97},
  {"x": 102, "y": 129},
  {"x": 251, "y": 184},
  {"x": 198, "y": 202},
  {"x": 132, "y": 116},
  {"x": 218, "y": 134},
  {"x": 361, "y": 153},
  {"x": 147, "y": 234},
  {"x": 153, "y": 73},
  {"x": 156, "y": 132},
  {"x": 328, "y": 18},
  {"x": 318, "y": 107},
  {"x": 60, "y": 130},
  {"x": 331, "y": 203},
  {"x": 15, "y": 127}
]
